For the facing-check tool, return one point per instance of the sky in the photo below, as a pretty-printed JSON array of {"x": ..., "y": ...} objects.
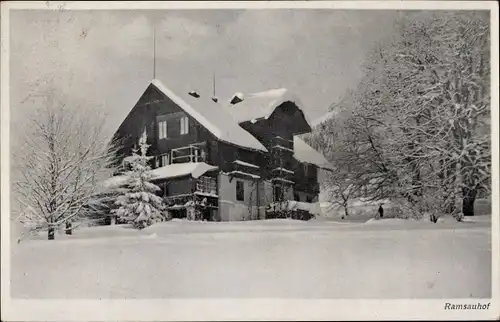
[{"x": 103, "y": 60}]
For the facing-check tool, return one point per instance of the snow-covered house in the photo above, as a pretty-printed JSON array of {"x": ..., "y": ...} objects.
[{"x": 232, "y": 161}]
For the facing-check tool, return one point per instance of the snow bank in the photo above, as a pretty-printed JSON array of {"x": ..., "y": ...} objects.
[
  {"x": 477, "y": 219},
  {"x": 390, "y": 221},
  {"x": 291, "y": 205},
  {"x": 89, "y": 233}
]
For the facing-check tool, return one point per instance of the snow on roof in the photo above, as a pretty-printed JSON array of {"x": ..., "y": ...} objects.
[
  {"x": 282, "y": 180},
  {"x": 246, "y": 174},
  {"x": 194, "y": 94},
  {"x": 236, "y": 98},
  {"x": 130, "y": 158},
  {"x": 246, "y": 164},
  {"x": 283, "y": 170},
  {"x": 262, "y": 105},
  {"x": 114, "y": 182},
  {"x": 329, "y": 115},
  {"x": 213, "y": 117},
  {"x": 303, "y": 152},
  {"x": 195, "y": 169}
]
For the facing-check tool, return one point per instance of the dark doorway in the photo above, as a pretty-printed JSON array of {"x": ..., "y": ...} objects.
[{"x": 178, "y": 213}]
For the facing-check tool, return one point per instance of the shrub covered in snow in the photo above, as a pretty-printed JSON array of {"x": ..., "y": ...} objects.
[{"x": 139, "y": 204}]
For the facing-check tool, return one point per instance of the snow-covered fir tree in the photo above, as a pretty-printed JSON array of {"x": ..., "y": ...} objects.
[{"x": 140, "y": 205}]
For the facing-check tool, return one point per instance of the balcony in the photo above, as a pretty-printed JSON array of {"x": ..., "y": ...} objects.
[
  {"x": 307, "y": 186},
  {"x": 191, "y": 153},
  {"x": 282, "y": 172},
  {"x": 281, "y": 145},
  {"x": 206, "y": 186},
  {"x": 203, "y": 191},
  {"x": 245, "y": 170}
]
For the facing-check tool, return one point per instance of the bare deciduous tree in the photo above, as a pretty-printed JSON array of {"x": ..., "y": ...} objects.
[
  {"x": 418, "y": 121},
  {"x": 63, "y": 156}
]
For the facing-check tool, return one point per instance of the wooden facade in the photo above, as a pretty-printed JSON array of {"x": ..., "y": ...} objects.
[{"x": 175, "y": 136}]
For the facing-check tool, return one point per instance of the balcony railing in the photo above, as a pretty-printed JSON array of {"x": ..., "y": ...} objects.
[
  {"x": 190, "y": 153},
  {"x": 207, "y": 186},
  {"x": 245, "y": 169},
  {"x": 308, "y": 186},
  {"x": 282, "y": 145}
]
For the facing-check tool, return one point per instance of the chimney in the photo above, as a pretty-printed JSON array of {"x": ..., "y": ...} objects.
[
  {"x": 194, "y": 94},
  {"x": 237, "y": 98}
]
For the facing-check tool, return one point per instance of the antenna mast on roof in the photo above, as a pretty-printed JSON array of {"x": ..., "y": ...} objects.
[
  {"x": 213, "y": 82},
  {"x": 214, "y": 98},
  {"x": 154, "y": 52}
]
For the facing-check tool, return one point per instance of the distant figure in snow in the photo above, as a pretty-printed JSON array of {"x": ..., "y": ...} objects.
[{"x": 381, "y": 211}]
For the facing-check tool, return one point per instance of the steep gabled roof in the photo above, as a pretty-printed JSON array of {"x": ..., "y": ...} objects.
[
  {"x": 303, "y": 152},
  {"x": 261, "y": 105},
  {"x": 213, "y": 117}
]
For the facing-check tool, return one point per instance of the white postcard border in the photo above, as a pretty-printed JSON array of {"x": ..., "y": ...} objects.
[{"x": 244, "y": 309}]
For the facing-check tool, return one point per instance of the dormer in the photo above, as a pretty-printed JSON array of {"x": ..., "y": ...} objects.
[{"x": 279, "y": 109}]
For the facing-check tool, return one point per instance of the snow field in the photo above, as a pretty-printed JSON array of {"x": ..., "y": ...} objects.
[{"x": 271, "y": 258}]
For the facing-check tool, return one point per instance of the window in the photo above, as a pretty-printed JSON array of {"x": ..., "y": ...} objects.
[
  {"x": 306, "y": 169},
  {"x": 207, "y": 185},
  {"x": 184, "y": 125},
  {"x": 240, "y": 191},
  {"x": 296, "y": 196},
  {"x": 278, "y": 193},
  {"x": 309, "y": 199},
  {"x": 163, "y": 192},
  {"x": 199, "y": 155},
  {"x": 165, "y": 159},
  {"x": 162, "y": 129}
]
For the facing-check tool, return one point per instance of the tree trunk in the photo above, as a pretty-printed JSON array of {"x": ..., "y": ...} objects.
[
  {"x": 469, "y": 197},
  {"x": 450, "y": 188},
  {"x": 51, "y": 233},
  {"x": 346, "y": 211},
  {"x": 451, "y": 205},
  {"x": 447, "y": 177},
  {"x": 69, "y": 228}
]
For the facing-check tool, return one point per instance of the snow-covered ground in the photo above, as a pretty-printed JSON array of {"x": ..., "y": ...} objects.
[
  {"x": 383, "y": 259},
  {"x": 362, "y": 211}
]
